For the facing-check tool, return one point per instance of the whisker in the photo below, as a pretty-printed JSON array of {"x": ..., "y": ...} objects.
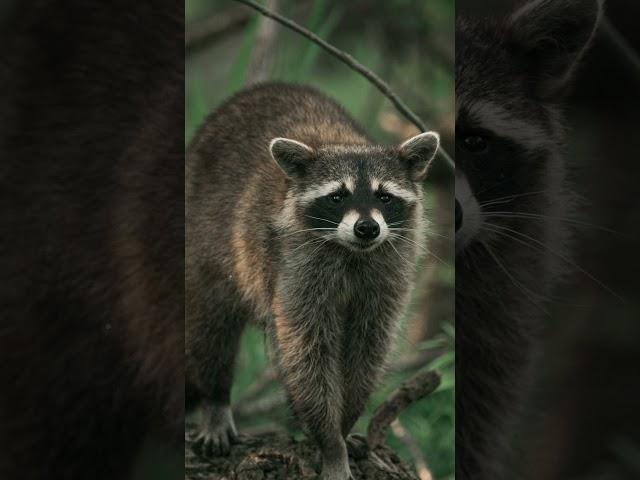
[
  {"x": 436, "y": 234},
  {"x": 550, "y": 298},
  {"x": 427, "y": 232},
  {"x": 322, "y": 219},
  {"x": 305, "y": 230},
  {"x": 527, "y": 215},
  {"x": 509, "y": 198},
  {"x": 396, "y": 223},
  {"x": 398, "y": 253},
  {"x": 528, "y": 293},
  {"x": 326, "y": 240},
  {"x": 313, "y": 240},
  {"x": 559, "y": 255},
  {"x": 421, "y": 247}
]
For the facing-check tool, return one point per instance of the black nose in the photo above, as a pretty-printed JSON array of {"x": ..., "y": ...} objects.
[
  {"x": 366, "y": 229},
  {"x": 459, "y": 215}
]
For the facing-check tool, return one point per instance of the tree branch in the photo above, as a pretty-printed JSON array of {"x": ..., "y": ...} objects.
[
  {"x": 423, "y": 384},
  {"x": 275, "y": 456},
  {"x": 354, "y": 65}
]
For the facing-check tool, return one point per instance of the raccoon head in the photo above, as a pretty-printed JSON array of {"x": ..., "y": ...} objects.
[
  {"x": 355, "y": 195},
  {"x": 510, "y": 80}
]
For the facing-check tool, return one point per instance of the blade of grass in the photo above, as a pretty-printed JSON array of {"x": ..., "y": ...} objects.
[
  {"x": 197, "y": 106},
  {"x": 313, "y": 51},
  {"x": 241, "y": 65}
]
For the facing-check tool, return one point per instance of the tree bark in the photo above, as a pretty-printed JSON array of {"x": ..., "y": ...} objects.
[{"x": 278, "y": 457}]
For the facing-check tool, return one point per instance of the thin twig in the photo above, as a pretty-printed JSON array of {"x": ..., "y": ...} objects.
[
  {"x": 404, "y": 435},
  {"x": 352, "y": 63},
  {"x": 423, "y": 384}
]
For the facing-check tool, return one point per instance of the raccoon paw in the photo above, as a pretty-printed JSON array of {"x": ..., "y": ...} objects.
[{"x": 217, "y": 432}]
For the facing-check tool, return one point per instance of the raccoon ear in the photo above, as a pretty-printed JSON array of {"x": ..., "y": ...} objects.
[
  {"x": 419, "y": 152},
  {"x": 292, "y": 156},
  {"x": 555, "y": 34}
]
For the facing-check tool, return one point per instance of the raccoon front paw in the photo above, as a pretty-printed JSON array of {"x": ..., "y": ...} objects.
[{"x": 217, "y": 432}]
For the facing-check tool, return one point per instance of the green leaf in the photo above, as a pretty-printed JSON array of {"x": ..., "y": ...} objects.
[{"x": 243, "y": 60}]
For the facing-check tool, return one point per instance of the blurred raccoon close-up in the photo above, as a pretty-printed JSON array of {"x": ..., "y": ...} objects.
[
  {"x": 526, "y": 232},
  {"x": 92, "y": 241}
]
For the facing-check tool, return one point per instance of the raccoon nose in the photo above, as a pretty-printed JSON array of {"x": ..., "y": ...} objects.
[
  {"x": 366, "y": 229},
  {"x": 458, "y": 215}
]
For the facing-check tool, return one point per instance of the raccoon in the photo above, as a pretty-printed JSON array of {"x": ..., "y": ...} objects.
[
  {"x": 92, "y": 242},
  {"x": 297, "y": 222},
  {"x": 511, "y": 196}
]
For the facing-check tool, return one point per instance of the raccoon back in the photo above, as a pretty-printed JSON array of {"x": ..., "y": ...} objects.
[{"x": 235, "y": 189}]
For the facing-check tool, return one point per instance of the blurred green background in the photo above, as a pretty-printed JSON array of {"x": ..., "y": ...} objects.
[{"x": 410, "y": 44}]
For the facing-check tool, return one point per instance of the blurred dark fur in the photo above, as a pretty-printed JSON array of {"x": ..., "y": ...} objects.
[
  {"x": 512, "y": 192},
  {"x": 92, "y": 242}
]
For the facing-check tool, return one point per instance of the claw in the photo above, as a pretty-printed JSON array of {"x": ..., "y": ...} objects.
[{"x": 217, "y": 433}]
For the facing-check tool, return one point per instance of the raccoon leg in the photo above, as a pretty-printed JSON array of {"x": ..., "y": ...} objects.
[
  {"x": 211, "y": 355},
  {"x": 367, "y": 339},
  {"x": 306, "y": 342}
]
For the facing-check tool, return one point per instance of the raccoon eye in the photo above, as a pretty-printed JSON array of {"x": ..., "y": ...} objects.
[
  {"x": 336, "y": 198},
  {"x": 475, "y": 144},
  {"x": 384, "y": 197}
]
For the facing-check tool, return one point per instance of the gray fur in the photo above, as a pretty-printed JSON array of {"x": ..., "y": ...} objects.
[{"x": 330, "y": 311}]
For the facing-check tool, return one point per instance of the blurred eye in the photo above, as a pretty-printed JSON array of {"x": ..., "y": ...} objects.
[
  {"x": 336, "y": 198},
  {"x": 475, "y": 144},
  {"x": 384, "y": 197}
]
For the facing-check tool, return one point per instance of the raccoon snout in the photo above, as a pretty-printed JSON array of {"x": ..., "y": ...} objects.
[
  {"x": 459, "y": 214},
  {"x": 366, "y": 229}
]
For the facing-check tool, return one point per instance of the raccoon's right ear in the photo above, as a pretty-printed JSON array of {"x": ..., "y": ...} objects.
[
  {"x": 292, "y": 157},
  {"x": 418, "y": 152},
  {"x": 554, "y": 36}
]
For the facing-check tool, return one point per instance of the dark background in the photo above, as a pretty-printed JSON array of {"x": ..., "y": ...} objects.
[{"x": 586, "y": 420}]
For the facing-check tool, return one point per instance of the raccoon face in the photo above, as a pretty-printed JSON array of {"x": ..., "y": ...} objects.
[
  {"x": 510, "y": 80},
  {"x": 356, "y": 196}
]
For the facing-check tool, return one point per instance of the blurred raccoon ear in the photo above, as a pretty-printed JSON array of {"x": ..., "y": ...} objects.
[
  {"x": 419, "y": 152},
  {"x": 292, "y": 156},
  {"x": 555, "y": 34}
]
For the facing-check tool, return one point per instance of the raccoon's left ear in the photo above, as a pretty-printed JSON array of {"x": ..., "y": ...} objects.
[
  {"x": 419, "y": 152},
  {"x": 554, "y": 34},
  {"x": 292, "y": 157}
]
